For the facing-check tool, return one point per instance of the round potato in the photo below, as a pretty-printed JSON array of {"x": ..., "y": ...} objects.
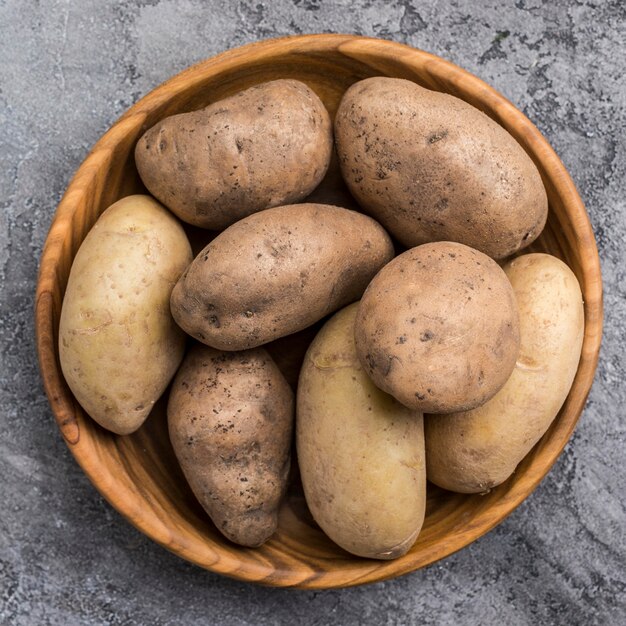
[
  {"x": 473, "y": 451},
  {"x": 263, "y": 147},
  {"x": 118, "y": 344},
  {"x": 230, "y": 418},
  {"x": 438, "y": 328},
  {"x": 277, "y": 272},
  {"x": 430, "y": 167},
  {"x": 361, "y": 453}
]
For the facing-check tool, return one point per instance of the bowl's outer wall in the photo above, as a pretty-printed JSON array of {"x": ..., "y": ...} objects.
[{"x": 139, "y": 475}]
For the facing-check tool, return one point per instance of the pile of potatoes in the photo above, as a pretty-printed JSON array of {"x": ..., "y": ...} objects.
[{"x": 447, "y": 355}]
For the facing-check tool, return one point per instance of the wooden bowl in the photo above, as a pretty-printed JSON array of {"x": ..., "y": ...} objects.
[{"x": 139, "y": 475}]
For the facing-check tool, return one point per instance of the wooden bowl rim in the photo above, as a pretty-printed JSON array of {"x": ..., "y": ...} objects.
[{"x": 364, "y": 570}]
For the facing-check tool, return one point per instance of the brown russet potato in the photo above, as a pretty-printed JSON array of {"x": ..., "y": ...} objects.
[
  {"x": 431, "y": 167},
  {"x": 230, "y": 418},
  {"x": 277, "y": 272},
  {"x": 118, "y": 344},
  {"x": 438, "y": 329},
  {"x": 263, "y": 147},
  {"x": 473, "y": 451},
  {"x": 361, "y": 453}
]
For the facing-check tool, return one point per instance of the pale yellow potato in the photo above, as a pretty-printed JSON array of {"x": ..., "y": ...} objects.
[
  {"x": 473, "y": 451},
  {"x": 118, "y": 343},
  {"x": 361, "y": 453}
]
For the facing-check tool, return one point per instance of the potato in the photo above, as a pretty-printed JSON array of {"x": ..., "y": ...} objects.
[
  {"x": 361, "y": 453},
  {"x": 438, "y": 328},
  {"x": 473, "y": 451},
  {"x": 118, "y": 344},
  {"x": 263, "y": 147},
  {"x": 277, "y": 272},
  {"x": 230, "y": 417},
  {"x": 430, "y": 167}
]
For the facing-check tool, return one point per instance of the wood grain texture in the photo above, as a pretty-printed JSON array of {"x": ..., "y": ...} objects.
[{"x": 138, "y": 474}]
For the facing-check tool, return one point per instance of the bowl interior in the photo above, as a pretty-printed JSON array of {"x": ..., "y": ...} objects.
[{"x": 139, "y": 473}]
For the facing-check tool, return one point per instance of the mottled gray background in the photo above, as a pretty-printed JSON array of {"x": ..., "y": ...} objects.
[{"x": 67, "y": 71}]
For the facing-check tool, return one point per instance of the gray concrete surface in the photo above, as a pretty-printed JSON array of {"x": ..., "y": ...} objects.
[{"x": 67, "y": 70}]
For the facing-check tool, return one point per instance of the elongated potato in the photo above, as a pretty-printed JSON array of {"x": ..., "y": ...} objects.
[
  {"x": 230, "y": 417},
  {"x": 431, "y": 167},
  {"x": 118, "y": 344},
  {"x": 266, "y": 146},
  {"x": 473, "y": 451},
  {"x": 361, "y": 453},
  {"x": 277, "y": 272}
]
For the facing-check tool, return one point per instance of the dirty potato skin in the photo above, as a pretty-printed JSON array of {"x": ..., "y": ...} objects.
[
  {"x": 438, "y": 328},
  {"x": 277, "y": 272},
  {"x": 473, "y": 451},
  {"x": 361, "y": 453},
  {"x": 118, "y": 344},
  {"x": 430, "y": 167},
  {"x": 230, "y": 418},
  {"x": 266, "y": 146}
]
